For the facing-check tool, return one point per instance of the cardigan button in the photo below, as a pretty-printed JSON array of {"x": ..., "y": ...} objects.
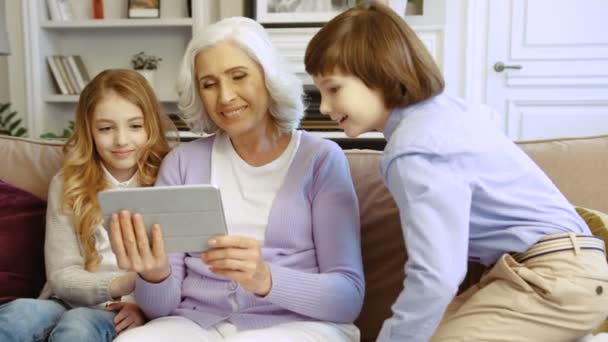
[{"x": 599, "y": 290}]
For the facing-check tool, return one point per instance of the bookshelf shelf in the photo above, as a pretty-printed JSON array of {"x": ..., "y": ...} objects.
[
  {"x": 56, "y": 98},
  {"x": 117, "y": 23}
]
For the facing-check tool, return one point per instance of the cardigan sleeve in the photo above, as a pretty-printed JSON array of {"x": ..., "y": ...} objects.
[
  {"x": 336, "y": 292},
  {"x": 160, "y": 299},
  {"x": 65, "y": 270}
]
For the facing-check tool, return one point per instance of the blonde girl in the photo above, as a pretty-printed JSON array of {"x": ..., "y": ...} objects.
[{"x": 119, "y": 140}]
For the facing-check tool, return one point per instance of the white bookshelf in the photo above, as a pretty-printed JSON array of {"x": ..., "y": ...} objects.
[
  {"x": 102, "y": 44},
  {"x": 110, "y": 43}
]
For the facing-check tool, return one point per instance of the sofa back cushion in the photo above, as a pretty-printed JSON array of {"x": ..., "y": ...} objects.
[
  {"x": 381, "y": 242},
  {"x": 29, "y": 164},
  {"x": 578, "y": 166},
  {"x": 22, "y": 223}
]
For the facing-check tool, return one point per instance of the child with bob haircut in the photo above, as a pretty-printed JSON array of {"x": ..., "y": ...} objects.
[
  {"x": 119, "y": 140},
  {"x": 464, "y": 192}
]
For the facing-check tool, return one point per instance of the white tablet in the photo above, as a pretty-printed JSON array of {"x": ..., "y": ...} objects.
[{"x": 188, "y": 214}]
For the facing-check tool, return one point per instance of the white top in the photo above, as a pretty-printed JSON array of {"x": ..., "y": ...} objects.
[
  {"x": 66, "y": 277},
  {"x": 248, "y": 191}
]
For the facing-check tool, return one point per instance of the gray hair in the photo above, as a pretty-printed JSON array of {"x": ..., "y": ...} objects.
[{"x": 284, "y": 87}]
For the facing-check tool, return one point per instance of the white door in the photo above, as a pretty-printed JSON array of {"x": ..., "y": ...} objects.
[{"x": 555, "y": 57}]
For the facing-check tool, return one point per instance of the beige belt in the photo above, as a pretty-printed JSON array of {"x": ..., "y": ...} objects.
[{"x": 559, "y": 243}]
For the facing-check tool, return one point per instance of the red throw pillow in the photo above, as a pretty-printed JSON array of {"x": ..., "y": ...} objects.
[{"x": 22, "y": 225}]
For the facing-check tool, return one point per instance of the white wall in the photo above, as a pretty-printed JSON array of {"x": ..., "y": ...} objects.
[
  {"x": 12, "y": 73},
  {"x": 4, "y": 95}
]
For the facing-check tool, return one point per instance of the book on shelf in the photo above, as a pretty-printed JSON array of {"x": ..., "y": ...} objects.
[
  {"x": 178, "y": 122},
  {"x": 58, "y": 80},
  {"x": 60, "y": 10},
  {"x": 82, "y": 70},
  {"x": 69, "y": 73},
  {"x": 53, "y": 8},
  {"x": 64, "y": 73}
]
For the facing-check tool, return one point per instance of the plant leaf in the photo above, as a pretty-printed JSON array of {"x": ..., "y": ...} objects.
[
  {"x": 14, "y": 125},
  {"x": 20, "y": 132},
  {"x": 9, "y": 118},
  {"x": 4, "y": 106}
]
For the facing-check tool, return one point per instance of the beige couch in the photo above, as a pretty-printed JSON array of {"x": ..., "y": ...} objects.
[{"x": 577, "y": 166}]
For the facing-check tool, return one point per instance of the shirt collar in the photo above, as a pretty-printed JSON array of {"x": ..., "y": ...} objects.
[
  {"x": 399, "y": 113},
  {"x": 132, "y": 182}
]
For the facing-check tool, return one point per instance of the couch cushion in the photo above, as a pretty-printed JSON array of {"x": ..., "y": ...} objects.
[
  {"x": 29, "y": 164},
  {"x": 381, "y": 242},
  {"x": 22, "y": 223},
  {"x": 577, "y": 166},
  {"x": 597, "y": 222}
]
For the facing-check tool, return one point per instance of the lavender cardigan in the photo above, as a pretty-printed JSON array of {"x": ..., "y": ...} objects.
[{"x": 312, "y": 245}]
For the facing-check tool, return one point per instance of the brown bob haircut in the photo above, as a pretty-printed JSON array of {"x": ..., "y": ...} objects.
[{"x": 371, "y": 42}]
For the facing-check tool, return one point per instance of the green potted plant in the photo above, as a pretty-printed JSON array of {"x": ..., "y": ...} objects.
[
  {"x": 10, "y": 124},
  {"x": 67, "y": 132},
  {"x": 146, "y": 65}
]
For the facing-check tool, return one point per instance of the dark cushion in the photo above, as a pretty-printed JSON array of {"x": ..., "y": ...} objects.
[{"x": 22, "y": 224}]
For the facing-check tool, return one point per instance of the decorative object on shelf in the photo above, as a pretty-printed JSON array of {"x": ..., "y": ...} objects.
[
  {"x": 144, "y": 9},
  {"x": 146, "y": 65},
  {"x": 301, "y": 13},
  {"x": 98, "y": 9},
  {"x": 10, "y": 124},
  {"x": 67, "y": 132}
]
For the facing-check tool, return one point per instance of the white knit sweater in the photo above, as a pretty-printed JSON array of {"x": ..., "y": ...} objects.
[{"x": 66, "y": 277}]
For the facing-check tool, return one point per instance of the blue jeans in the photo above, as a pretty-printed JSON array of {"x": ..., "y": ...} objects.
[{"x": 50, "y": 320}]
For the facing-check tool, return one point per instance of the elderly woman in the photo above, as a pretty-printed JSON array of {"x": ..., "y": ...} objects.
[{"x": 290, "y": 268}]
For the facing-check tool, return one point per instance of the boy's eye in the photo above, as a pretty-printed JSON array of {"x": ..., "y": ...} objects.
[
  {"x": 334, "y": 90},
  {"x": 104, "y": 129},
  {"x": 137, "y": 126}
]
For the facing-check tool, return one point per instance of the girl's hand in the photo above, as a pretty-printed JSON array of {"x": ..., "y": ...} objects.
[
  {"x": 132, "y": 248},
  {"x": 128, "y": 315},
  {"x": 122, "y": 285},
  {"x": 240, "y": 259}
]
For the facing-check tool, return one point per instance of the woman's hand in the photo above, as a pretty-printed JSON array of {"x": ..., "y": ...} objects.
[
  {"x": 128, "y": 315},
  {"x": 122, "y": 285},
  {"x": 240, "y": 259},
  {"x": 133, "y": 250}
]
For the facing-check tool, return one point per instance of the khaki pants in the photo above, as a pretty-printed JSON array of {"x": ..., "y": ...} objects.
[{"x": 557, "y": 296}]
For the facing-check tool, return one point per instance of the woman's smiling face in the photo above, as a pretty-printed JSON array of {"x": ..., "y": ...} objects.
[{"x": 233, "y": 90}]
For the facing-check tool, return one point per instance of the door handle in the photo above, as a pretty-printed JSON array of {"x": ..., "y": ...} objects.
[{"x": 500, "y": 66}]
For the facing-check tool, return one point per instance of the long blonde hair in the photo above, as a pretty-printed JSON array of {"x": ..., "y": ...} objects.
[{"x": 83, "y": 176}]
